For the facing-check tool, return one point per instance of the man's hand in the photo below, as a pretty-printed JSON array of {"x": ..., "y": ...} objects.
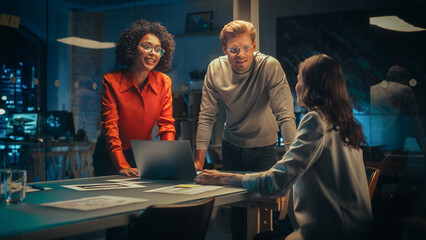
[
  {"x": 199, "y": 165},
  {"x": 129, "y": 172},
  {"x": 200, "y": 157}
]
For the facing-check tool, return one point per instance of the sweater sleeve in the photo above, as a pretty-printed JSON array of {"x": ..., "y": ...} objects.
[
  {"x": 209, "y": 110},
  {"x": 281, "y": 101},
  {"x": 306, "y": 149}
]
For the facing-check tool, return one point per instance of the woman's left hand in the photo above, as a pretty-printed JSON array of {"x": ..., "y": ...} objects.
[
  {"x": 215, "y": 177},
  {"x": 207, "y": 176}
]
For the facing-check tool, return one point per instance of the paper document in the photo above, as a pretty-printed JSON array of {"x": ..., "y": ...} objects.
[
  {"x": 30, "y": 189},
  {"x": 188, "y": 189},
  {"x": 93, "y": 203},
  {"x": 128, "y": 180},
  {"x": 102, "y": 186}
]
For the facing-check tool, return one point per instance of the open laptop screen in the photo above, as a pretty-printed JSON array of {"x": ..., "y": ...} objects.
[{"x": 168, "y": 160}]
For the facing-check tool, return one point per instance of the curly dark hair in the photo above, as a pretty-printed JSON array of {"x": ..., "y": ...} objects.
[{"x": 125, "y": 47}]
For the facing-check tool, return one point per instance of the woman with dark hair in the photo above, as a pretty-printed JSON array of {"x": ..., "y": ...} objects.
[
  {"x": 136, "y": 98},
  {"x": 323, "y": 168}
]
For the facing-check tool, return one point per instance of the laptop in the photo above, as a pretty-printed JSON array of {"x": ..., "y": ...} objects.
[{"x": 165, "y": 160}]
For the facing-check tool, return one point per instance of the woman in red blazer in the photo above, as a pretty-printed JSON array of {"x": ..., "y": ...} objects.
[{"x": 135, "y": 98}]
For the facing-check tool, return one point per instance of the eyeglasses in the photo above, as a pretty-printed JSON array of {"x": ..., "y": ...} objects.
[
  {"x": 147, "y": 47},
  {"x": 235, "y": 51}
]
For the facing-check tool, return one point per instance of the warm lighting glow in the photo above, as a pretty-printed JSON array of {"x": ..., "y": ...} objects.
[
  {"x": 86, "y": 43},
  {"x": 412, "y": 82},
  {"x": 2, "y": 111},
  {"x": 384, "y": 84},
  {"x": 394, "y": 23}
]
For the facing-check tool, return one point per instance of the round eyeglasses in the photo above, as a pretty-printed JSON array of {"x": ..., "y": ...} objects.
[
  {"x": 235, "y": 51},
  {"x": 147, "y": 47}
]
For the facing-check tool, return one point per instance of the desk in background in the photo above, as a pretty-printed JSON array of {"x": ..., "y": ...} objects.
[{"x": 33, "y": 156}]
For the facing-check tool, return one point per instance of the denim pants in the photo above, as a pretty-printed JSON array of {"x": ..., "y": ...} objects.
[
  {"x": 236, "y": 158},
  {"x": 248, "y": 159}
]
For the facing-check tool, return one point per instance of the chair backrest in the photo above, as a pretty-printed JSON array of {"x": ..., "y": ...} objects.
[
  {"x": 179, "y": 221},
  {"x": 372, "y": 178},
  {"x": 388, "y": 222}
]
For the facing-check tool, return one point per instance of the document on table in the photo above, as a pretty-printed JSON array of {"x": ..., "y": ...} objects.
[
  {"x": 123, "y": 179},
  {"x": 187, "y": 189},
  {"x": 30, "y": 189},
  {"x": 102, "y": 186},
  {"x": 94, "y": 203},
  {"x": 128, "y": 180}
]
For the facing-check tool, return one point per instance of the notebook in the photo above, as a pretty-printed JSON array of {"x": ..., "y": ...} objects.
[{"x": 166, "y": 160}]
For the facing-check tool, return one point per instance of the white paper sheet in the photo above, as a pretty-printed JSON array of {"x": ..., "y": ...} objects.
[
  {"x": 102, "y": 186},
  {"x": 128, "y": 180},
  {"x": 94, "y": 203},
  {"x": 188, "y": 189}
]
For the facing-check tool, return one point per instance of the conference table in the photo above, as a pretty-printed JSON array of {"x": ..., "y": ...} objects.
[{"x": 32, "y": 220}]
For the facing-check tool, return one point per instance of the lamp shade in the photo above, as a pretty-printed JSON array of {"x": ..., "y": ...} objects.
[{"x": 2, "y": 107}]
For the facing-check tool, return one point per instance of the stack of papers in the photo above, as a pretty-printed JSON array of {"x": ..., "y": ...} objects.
[
  {"x": 188, "y": 189},
  {"x": 103, "y": 186},
  {"x": 93, "y": 203}
]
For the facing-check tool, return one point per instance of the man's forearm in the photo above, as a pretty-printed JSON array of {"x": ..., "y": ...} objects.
[
  {"x": 200, "y": 157},
  {"x": 288, "y": 131}
]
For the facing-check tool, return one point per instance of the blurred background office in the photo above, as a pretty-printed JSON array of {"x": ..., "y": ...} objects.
[{"x": 54, "y": 53}]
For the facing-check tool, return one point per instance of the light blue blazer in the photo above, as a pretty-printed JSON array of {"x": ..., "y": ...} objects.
[{"x": 329, "y": 197}]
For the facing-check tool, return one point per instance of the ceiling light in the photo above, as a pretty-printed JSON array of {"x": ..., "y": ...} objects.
[
  {"x": 86, "y": 43},
  {"x": 394, "y": 23}
]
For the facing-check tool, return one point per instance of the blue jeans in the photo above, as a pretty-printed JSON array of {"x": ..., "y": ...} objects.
[
  {"x": 257, "y": 159},
  {"x": 236, "y": 158}
]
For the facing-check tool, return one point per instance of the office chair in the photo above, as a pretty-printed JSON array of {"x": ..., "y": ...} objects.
[
  {"x": 388, "y": 223},
  {"x": 391, "y": 165},
  {"x": 173, "y": 221},
  {"x": 372, "y": 178}
]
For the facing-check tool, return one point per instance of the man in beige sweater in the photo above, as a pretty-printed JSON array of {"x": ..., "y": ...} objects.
[{"x": 257, "y": 100}]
